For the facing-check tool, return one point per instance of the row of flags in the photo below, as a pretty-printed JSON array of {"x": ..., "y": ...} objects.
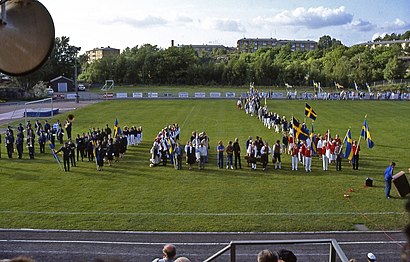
[
  {"x": 302, "y": 132},
  {"x": 339, "y": 86}
]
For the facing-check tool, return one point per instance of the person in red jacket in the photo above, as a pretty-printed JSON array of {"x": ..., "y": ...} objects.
[
  {"x": 308, "y": 159},
  {"x": 294, "y": 153},
  {"x": 355, "y": 159}
]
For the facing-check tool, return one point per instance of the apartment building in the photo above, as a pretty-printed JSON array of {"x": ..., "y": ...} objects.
[
  {"x": 251, "y": 45},
  {"x": 98, "y": 53}
]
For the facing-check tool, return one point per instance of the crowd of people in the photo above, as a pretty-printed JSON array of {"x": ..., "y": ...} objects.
[
  {"x": 328, "y": 149},
  {"x": 97, "y": 145},
  {"x": 166, "y": 147}
]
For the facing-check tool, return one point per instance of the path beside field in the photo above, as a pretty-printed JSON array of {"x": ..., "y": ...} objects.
[
  {"x": 57, "y": 245},
  {"x": 10, "y": 112}
]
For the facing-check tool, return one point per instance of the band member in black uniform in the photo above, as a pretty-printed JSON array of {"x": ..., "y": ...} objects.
[
  {"x": 71, "y": 145},
  {"x": 237, "y": 153},
  {"x": 9, "y": 142},
  {"x": 108, "y": 131},
  {"x": 80, "y": 143},
  {"x": 42, "y": 138},
  {"x": 30, "y": 142},
  {"x": 66, "y": 156},
  {"x": 99, "y": 154},
  {"x": 68, "y": 127},
  {"x": 90, "y": 148},
  {"x": 19, "y": 144}
]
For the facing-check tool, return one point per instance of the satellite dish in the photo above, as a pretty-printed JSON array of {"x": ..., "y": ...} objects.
[{"x": 26, "y": 36}]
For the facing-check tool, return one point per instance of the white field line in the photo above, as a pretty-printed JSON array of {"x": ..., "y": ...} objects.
[
  {"x": 194, "y": 233},
  {"x": 201, "y": 214},
  {"x": 92, "y": 242},
  {"x": 187, "y": 117}
]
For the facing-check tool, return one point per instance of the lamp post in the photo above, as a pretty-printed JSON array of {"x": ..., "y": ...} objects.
[{"x": 77, "y": 97}]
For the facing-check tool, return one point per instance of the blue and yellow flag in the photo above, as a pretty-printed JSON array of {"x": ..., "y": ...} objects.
[
  {"x": 117, "y": 129},
  {"x": 309, "y": 112},
  {"x": 301, "y": 132},
  {"x": 366, "y": 134},
  {"x": 313, "y": 145},
  {"x": 348, "y": 145}
]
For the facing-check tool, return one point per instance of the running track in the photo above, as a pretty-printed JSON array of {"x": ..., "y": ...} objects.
[{"x": 61, "y": 245}]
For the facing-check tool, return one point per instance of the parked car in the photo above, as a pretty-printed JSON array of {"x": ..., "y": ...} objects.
[
  {"x": 50, "y": 91},
  {"x": 81, "y": 87}
]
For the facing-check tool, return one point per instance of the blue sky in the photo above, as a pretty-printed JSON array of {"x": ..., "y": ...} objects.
[{"x": 128, "y": 23}]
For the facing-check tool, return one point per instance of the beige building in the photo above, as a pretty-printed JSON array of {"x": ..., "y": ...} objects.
[
  {"x": 98, "y": 53},
  {"x": 251, "y": 45},
  {"x": 403, "y": 43}
]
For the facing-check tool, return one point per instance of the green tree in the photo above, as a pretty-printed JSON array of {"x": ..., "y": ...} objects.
[{"x": 391, "y": 71}]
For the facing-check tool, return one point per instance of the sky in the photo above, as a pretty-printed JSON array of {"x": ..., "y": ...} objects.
[{"x": 129, "y": 23}]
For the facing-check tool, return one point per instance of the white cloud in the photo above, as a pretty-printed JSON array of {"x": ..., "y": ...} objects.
[
  {"x": 314, "y": 17},
  {"x": 148, "y": 21},
  {"x": 376, "y": 35},
  {"x": 184, "y": 19},
  {"x": 360, "y": 25},
  {"x": 228, "y": 25},
  {"x": 397, "y": 24}
]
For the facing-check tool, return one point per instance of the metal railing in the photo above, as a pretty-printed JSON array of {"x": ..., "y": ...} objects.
[{"x": 334, "y": 252}]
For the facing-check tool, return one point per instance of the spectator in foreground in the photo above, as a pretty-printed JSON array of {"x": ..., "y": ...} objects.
[
  {"x": 182, "y": 259},
  {"x": 168, "y": 254},
  {"x": 267, "y": 256},
  {"x": 371, "y": 257},
  {"x": 286, "y": 256}
]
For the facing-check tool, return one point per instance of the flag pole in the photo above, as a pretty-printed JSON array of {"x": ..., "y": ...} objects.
[
  {"x": 360, "y": 136},
  {"x": 344, "y": 140}
]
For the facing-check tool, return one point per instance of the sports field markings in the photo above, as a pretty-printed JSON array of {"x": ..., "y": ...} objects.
[
  {"x": 201, "y": 214},
  {"x": 99, "y": 242},
  {"x": 187, "y": 117}
]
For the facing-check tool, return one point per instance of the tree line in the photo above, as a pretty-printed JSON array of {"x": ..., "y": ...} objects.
[{"x": 150, "y": 65}]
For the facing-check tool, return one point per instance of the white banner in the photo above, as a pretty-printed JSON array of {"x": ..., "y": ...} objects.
[
  {"x": 183, "y": 94},
  {"x": 200, "y": 95},
  {"x": 215, "y": 94},
  {"x": 153, "y": 95},
  {"x": 71, "y": 96},
  {"x": 122, "y": 95},
  {"x": 230, "y": 94},
  {"x": 276, "y": 95},
  {"x": 137, "y": 95}
]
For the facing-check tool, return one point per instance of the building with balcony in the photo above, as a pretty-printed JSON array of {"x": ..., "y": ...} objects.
[
  {"x": 251, "y": 45},
  {"x": 98, "y": 53}
]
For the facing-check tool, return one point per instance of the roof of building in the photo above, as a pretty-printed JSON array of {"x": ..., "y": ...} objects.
[
  {"x": 386, "y": 42},
  {"x": 61, "y": 77},
  {"x": 108, "y": 48},
  {"x": 275, "y": 40}
]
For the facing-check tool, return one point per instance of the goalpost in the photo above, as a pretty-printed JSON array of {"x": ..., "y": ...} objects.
[
  {"x": 39, "y": 109},
  {"x": 109, "y": 85}
]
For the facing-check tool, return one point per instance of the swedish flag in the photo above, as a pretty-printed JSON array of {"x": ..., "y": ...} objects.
[
  {"x": 309, "y": 112},
  {"x": 117, "y": 129},
  {"x": 348, "y": 144},
  {"x": 366, "y": 134},
  {"x": 301, "y": 133}
]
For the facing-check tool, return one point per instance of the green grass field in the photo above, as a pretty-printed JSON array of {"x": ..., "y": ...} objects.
[{"x": 132, "y": 196}]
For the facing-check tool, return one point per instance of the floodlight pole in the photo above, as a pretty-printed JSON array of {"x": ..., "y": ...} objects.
[{"x": 77, "y": 97}]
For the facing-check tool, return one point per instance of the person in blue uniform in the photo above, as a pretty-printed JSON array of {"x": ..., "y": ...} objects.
[{"x": 388, "y": 177}]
